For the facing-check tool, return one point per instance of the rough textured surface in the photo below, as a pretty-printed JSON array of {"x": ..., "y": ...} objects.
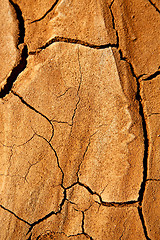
[
  {"x": 79, "y": 111},
  {"x": 121, "y": 223}
]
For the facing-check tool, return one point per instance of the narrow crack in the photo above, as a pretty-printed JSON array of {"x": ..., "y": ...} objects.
[
  {"x": 56, "y": 155},
  {"x": 83, "y": 230},
  {"x": 123, "y": 229},
  {"x": 121, "y": 204},
  {"x": 24, "y": 54},
  {"x": 109, "y": 204},
  {"x": 80, "y": 82},
  {"x": 19, "y": 218},
  {"x": 49, "y": 214},
  {"x": 74, "y": 41},
  {"x": 83, "y": 216},
  {"x": 153, "y": 179},
  {"x": 154, "y": 5},
  {"x": 85, "y": 152},
  {"x": 31, "y": 165},
  {"x": 113, "y": 24},
  {"x": 49, "y": 10},
  {"x": 35, "y": 110}
]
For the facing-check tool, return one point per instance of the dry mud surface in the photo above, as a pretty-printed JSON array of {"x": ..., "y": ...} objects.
[{"x": 80, "y": 119}]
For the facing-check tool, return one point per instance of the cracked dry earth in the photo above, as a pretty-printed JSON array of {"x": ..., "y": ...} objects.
[{"x": 80, "y": 119}]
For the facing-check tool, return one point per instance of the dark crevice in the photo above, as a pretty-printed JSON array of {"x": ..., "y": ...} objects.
[
  {"x": 152, "y": 76},
  {"x": 71, "y": 185},
  {"x": 86, "y": 187},
  {"x": 35, "y": 110},
  {"x": 83, "y": 230},
  {"x": 74, "y": 41},
  {"x": 154, "y": 5},
  {"x": 49, "y": 10},
  {"x": 113, "y": 24},
  {"x": 130, "y": 65},
  {"x": 15, "y": 72},
  {"x": 144, "y": 125},
  {"x": 143, "y": 222},
  {"x": 83, "y": 222},
  {"x": 49, "y": 214},
  {"x": 146, "y": 145},
  {"x": 20, "y": 21},
  {"x": 30, "y": 237},
  {"x": 23, "y": 60},
  {"x": 145, "y": 133},
  {"x": 146, "y": 141},
  {"x": 120, "y": 204},
  {"x": 15, "y": 215},
  {"x": 152, "y": 179},
  {"x": 109, "y": 204}
]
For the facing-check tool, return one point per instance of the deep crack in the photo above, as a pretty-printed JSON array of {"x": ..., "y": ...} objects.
[
  {"x": 20, "y": 22},
  {"x": 143, "y": 222},
  {"x": 152, "y": 76},
  {"x": 146, "y": 142},
  {"x": 15, "y": 72},
  {"x": 23, "y": 60}
]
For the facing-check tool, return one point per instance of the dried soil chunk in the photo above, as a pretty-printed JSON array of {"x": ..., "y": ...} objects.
[
  {"x": 151, "y": 100},
  {"x": 137, "y": 22},
  {"x": 151, "y": 209}
]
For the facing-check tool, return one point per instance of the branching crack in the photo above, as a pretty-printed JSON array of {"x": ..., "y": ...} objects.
[
  {"x": 35, "y": 110},
  {"x": 74, "y": 41},
  {"x": 49, "y": 10},
  {"x": 144, "y": 125},
  {"x": 56, "y": 155},
  {"x": 109, "y": 204}
]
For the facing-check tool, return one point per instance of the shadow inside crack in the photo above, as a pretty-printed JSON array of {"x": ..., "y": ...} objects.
[{"x": 15, "y": 72}]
